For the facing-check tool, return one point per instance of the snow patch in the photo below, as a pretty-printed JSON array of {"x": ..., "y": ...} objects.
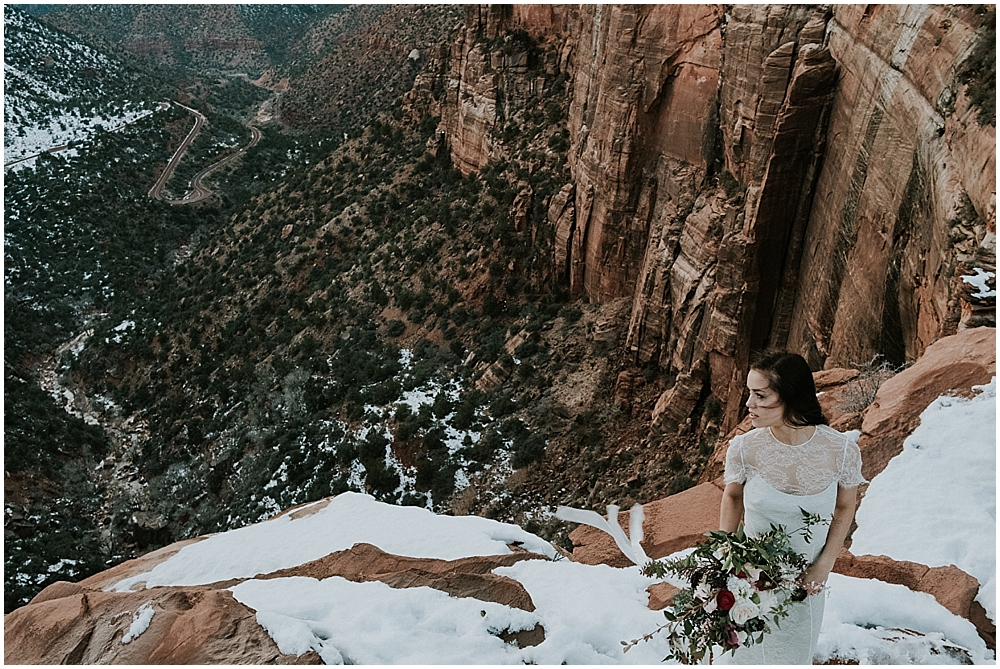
[
  {"x": 140, "y": 623},
  {"x": 935, "y": 503}
]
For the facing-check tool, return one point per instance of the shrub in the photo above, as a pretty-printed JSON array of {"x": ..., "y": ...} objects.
[
  {"x": 680, "y": 483},
  {"x": 528, "y": 448},
  {"x": 571, "y": 314},
  {"x": 979, "y": 71}
]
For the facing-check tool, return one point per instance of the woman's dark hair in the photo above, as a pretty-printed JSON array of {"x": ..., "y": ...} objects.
[{"x": 788, "y": 375}]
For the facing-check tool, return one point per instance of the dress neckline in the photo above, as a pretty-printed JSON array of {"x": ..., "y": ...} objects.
[
  {"x": 792, "y": 494},
  {"x": 813, "y": 436}
]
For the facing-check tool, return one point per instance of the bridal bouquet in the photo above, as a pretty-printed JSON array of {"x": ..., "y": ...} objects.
[{"x": 740, "y": 587}]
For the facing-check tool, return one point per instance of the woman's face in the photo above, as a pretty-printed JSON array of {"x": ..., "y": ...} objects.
[{"x": 766, "y": 408}]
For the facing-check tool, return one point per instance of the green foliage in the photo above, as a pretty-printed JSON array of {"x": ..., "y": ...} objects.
[
  {"x": 571, "y": 314},
  {"x": 39, "y": 435},
  {"x": 979, "y": 71}
]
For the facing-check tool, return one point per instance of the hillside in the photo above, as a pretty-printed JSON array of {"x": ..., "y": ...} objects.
[
  {"x": 224, "y": 39},
  {"x": 349, "y": 67},
  {"x": 82, "y": 242},
  {"x": 58, "y": 90}
]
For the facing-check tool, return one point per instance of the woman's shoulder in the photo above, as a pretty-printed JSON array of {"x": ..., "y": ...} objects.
[
  {"x": 845, "y": 440},
  {"x": 750, "y": 436},
  {"x": 834, "y": 434}
]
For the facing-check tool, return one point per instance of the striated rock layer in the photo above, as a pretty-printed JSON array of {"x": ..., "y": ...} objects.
[
  {"x": 809, "y": 177},
  {"x": 906, "y": 155}
]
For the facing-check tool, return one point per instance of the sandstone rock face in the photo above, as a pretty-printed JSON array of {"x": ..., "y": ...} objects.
[
  {"x": 951, "y": 365},
  {"x": 79, "y": 623},
  {"x": 661, "y": 595},
  {"x": 644, "y": 89},
  {"x": 707, "y": 268},
  {"x": 705, "y": 186},
  {"x": 671, "y": 524},
  {"x": 883, "y": 237},
  {"x": 466, "y": 577},
  {"x": 476, "y": 81},
  {"x": 72, "y": 624}
]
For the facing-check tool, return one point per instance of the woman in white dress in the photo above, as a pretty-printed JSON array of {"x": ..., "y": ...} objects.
[{"x": 791, "y": 460}]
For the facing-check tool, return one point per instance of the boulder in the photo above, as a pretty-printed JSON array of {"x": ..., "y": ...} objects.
[
  {"x": 661, "y": 595},
  {"x": 950, "y": 586},
  {"x": 80, "y": 623},
  {"x": 671, "y": 524},
  {"x": 949, "y": 366}
]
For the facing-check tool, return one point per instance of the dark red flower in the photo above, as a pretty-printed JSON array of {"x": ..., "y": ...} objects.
[
  {"x": 725, "y": 600},
  {"x": 741, "y": 574},
  {"x": 733, "y": 640},
  {"x": 764, "y": 583}
]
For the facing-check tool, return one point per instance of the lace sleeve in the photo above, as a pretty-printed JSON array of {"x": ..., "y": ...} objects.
[
  {"x": 735, "y": 468},
  {"x": 850, "y": 466}
]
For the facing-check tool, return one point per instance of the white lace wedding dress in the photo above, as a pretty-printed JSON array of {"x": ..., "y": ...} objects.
[{"x": 779, "y": 480}]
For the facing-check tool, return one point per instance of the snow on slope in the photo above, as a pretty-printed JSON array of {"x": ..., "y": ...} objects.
[
  {"x": 349, "y": 518},
  {"x": 588, "y": 610},
  {"x": 935, "y": 503},
  {"x": 58, "y": 90}
]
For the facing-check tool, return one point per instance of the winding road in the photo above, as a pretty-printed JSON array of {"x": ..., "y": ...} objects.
[{"x": 198, "y": 190}]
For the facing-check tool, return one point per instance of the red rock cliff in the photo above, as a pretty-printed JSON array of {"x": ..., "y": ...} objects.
[{"x": 753, "y": 175}]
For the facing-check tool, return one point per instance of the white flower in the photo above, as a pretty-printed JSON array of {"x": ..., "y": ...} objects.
[
  {"x": 711, "y": 605},
  {"x": 752, "y": 572},
  {"x": 704, "y": 591},
  {"x": 742, "y": 636},
  {"x": 740, "y": 587},
  {"x": 743, "y": 610}
]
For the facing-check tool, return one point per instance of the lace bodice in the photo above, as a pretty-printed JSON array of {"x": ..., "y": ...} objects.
[{"x": 806, "y": 469}]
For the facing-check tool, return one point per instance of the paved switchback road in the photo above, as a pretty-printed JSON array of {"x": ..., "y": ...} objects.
[
  {"x": 198, "y": 190},
  {"x": 156, "y": 192}
]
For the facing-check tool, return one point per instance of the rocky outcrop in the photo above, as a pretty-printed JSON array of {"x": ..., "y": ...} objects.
[
  {"x": 466, "y": 577},
  {"x": 696, "y": 156},
  {"x": 950, "y": 586},
  {"x": 661, "y": 595},
  {"x": 71, "y": 623},
  {"x": 671, "y": 524},
  {"x": 950, "y": 366},
  {"x": 651, "y": 222},
  {"x": 698, "y": 146},
  {"x": 908, "y": 159}
]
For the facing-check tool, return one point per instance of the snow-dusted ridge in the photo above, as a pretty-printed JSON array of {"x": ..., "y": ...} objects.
[
  {"x": 59, "y": 91},
  {"x": 350, "y": 518}
]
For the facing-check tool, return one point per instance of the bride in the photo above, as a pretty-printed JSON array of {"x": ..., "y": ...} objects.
[{"x": 792, "y": 459}]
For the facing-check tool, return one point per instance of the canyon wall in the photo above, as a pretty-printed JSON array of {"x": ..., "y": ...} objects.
[
  {"x": 752, "y": 176},
  {"x": 887, "y": 228}
]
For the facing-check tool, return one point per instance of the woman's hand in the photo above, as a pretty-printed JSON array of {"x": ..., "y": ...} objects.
[{"x": 814, "y": 578}]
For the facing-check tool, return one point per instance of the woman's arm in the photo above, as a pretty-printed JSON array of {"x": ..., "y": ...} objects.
[
  {"x": 731, "y": 513},
  {"x": 843, "y": 515}
]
